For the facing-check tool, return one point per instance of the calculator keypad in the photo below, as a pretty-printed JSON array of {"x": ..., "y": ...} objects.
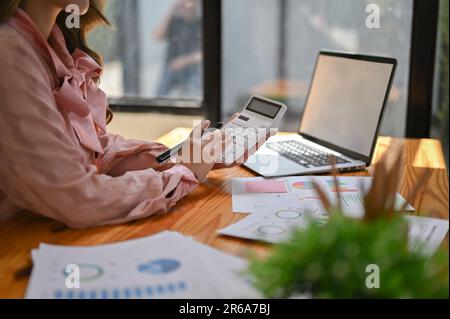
[{"x": 242, "y": 141}]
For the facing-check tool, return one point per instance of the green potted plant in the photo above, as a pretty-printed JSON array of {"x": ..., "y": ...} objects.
[{"x": 354, "y": 258}]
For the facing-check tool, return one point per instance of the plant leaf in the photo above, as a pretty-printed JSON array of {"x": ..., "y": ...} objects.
[{"x": 323, "y": 198}]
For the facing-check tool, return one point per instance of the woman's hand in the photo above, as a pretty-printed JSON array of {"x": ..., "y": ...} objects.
[
  {"x": 201, "y": 151},
  {"x": 248, "y": 152}
]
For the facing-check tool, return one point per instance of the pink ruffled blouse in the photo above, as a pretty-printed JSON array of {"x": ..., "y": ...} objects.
[{"x": 56, "y": 157}]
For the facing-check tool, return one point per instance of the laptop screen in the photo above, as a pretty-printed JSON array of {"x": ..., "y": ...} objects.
[{"x": 345, "y": 102}]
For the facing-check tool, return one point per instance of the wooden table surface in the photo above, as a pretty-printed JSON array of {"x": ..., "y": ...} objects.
[{"x": 201, "y": 214}]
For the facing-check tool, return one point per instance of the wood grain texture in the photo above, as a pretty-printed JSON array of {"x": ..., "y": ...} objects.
[{"x": 202, "y": 213}]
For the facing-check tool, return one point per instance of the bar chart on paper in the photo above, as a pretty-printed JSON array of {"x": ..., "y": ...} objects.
[
  {"x": 137, "y": 292},
  {"x": 342, "y": 187}
]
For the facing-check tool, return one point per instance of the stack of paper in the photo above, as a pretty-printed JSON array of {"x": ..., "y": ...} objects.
[
  {"x": 281, "y": 205},
  {"x": 167, "y": 265}
]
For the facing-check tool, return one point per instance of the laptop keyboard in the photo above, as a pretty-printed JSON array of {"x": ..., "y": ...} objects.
[{"x": 304, "y": 155}]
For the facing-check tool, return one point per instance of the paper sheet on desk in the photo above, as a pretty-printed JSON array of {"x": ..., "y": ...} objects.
[
  {"x": 231, "y": 281},
  {"x": 275, "y": 225},
  {"x": 426, "y": 234},
  {"x": 300, "y": 189},
  {"x": 167, "y": 265}
]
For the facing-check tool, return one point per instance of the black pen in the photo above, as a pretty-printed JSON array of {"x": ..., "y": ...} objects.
[{"x": 164, "y": 157}]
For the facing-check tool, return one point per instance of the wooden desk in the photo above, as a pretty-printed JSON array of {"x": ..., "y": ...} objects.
[{"x": 200, "y": 214}]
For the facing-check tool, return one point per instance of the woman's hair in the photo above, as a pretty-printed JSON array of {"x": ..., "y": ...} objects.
[{"x": 76, "y": 38}]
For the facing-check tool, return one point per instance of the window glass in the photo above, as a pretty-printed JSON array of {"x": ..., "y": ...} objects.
[
  {"x": 270, "y": 48},
  {"x": 155, "y": 49}
]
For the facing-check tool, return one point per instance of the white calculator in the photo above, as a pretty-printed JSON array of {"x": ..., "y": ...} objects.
[
  {"x": 252, "y": 126},
  {"x": 247, "y": 130}
]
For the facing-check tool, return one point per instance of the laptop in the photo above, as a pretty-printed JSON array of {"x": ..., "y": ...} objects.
[{"x": 342, "y": 116}]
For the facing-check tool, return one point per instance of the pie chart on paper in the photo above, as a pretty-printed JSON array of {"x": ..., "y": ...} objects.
[
  {"x": 303, "y": 185},
  {"x": 289, "y": 214},
  {"x": 159, "y": 266},
  {"x": 271, "y": 230}
]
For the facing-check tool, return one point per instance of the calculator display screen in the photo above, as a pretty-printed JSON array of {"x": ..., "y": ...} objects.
[{"x": 263, "y": 108}]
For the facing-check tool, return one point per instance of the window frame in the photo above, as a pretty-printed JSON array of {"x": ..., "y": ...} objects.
[{"x": 422, "y": 67}]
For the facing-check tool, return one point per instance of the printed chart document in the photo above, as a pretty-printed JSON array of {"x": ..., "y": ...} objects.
[
  {"x": 277, "y": 206},
  {"x": 270, "y": 193},
  {"x": 275, "y": 225},
  {"x": 167, "y": 265}
]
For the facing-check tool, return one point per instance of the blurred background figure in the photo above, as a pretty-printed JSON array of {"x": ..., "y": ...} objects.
[{"x": 182, "y": 29}]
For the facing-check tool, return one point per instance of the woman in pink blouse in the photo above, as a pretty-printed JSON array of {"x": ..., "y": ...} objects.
[{"x": 57, "y": 158}]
